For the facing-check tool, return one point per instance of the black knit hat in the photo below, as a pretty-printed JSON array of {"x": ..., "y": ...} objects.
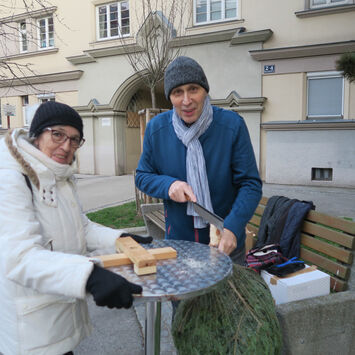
[
  {"x": 181, "y": 71},
  {"x": 53, "y": 113}
]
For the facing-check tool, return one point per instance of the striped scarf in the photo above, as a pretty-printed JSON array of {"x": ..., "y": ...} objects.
[{"x": 195, "y": 161}]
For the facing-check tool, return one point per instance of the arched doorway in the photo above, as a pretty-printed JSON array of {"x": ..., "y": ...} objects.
[{"x": 131, "y": 97}]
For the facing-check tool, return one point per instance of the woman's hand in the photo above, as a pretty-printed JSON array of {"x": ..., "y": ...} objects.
[{"x": 110, "y": 289}]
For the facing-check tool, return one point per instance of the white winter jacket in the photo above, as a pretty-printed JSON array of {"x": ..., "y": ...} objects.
[{"x": 43, "y": 239}]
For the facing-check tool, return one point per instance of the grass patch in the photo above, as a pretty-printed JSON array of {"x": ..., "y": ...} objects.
[{"x": 118, "y": 217}]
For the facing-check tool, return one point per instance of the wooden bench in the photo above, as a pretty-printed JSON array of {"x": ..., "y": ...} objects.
[
  {"x": 319, "y": 325},
  {"x": 154, "y": 219},
  {"x": 326, "y": 241}
]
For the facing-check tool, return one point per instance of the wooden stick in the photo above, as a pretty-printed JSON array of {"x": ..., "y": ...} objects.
[{"x": 112, "y": 260}]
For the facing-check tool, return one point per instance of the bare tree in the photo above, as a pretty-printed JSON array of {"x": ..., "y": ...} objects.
[
  {"x": 160, "y": 22},
  {"x": 13, "y": 15}
]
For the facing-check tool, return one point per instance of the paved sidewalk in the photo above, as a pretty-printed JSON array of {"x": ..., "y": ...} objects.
[{"x": 122, "y": 331}]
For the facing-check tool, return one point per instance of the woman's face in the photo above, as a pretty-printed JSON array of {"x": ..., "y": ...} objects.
[{"x": 62, "y": 153}]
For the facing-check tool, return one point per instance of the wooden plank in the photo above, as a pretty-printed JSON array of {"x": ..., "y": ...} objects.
[
  {"x": 331, "y": 266},
  {"x": 112, "y": 260},
  {"x": 159, "y": 215},
  {"x": 139, "y": 256},
  {"x": 253, "y": 229},
  {"x": 255, "y": 220},
  {"x": 337, "y": 285},
  {"x": 329, "y": 234},
  {"x": 331, "y": 221},
  {"x": 144, "y": 270},
  {"x": 260, "y": 210},
  {"x": 326, "y": 248},
  {"x": 263, "y": 200},
  {"x": 156, "y": 220}
]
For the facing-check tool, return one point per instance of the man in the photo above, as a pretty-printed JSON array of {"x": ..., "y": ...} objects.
[{"x": 200, "y": 153}]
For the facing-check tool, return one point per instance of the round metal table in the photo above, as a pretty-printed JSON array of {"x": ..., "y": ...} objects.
[{"x": 196, "y": 270}]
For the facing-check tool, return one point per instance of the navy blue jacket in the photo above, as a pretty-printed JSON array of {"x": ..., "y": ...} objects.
[{"x": 234, "y": 181}]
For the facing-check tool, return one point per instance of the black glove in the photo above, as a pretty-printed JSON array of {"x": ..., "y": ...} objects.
[
  {"x": 138, "y": 238},
  {"x": 110, "y": 289}
]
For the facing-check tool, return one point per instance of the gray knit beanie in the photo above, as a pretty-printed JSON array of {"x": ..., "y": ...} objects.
[
  {"x": 53, "y": 113},
  {"x": 181, "y": 71}
]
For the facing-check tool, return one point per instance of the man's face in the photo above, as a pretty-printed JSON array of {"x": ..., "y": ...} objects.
[{"x": 188, "y": 101}]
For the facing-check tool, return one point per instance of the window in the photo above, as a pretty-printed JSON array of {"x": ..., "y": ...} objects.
[
  {"x": 113, "y": 20},
  {"x": 325, "y": 174},
  {"x": 23, "y": 37},
  {"x": 46, "y": 32},
  {"x": 326, "y": 3},
  {"x": 24, "y": 100},
  {"x": 207, "y": 11},
  {"x": 325, "y": 95},
  {"x": 46, "y": 97}
]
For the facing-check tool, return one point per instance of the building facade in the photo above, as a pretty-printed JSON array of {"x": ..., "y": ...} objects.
[{"x": 273, "y": 62}]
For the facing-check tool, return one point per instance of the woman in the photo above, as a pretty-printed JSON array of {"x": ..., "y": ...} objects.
[{"x": 44, "y": 275}]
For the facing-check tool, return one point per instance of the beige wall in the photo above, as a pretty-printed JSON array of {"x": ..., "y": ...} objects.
[
  {"x": 290, "y": 30},
  {"x": 285, "y": 99}
]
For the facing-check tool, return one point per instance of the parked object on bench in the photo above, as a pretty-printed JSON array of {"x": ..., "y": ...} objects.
[
  {"x": 286, "y": 268},
  {"x": 326, "y": 241},
  {"x": 300, "y": 285},
  {"x": 263, "y": 257},
  {"x": 281, "y": 223},
  {"x": 237, "y": 318}
]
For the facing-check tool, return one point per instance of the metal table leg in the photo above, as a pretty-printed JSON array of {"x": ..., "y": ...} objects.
[{"x": 152, "y": 328}]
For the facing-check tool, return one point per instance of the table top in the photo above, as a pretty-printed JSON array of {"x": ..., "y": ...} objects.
[{"x": 195, "y": 271}]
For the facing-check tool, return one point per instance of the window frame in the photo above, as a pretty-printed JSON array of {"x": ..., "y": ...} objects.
[
  {"x": 46, "y": 97},
  {"x": 119, "y": 19},
  {"x": 223, "y": 19},
  {"x": 329, "y": 3},
  {"x": 23, "y": 36},
  {"x": 47, "y": 32},
  {"x": 325, "y": 75}
]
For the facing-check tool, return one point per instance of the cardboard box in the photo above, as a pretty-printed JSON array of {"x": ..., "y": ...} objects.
[{"x": 300, "y": 285}]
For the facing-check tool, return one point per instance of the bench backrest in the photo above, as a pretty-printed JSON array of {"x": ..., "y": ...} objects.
[{"x": 326, "y": 241}]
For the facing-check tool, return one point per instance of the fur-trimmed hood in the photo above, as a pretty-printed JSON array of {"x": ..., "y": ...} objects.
[{"x": 18, "y": 153}]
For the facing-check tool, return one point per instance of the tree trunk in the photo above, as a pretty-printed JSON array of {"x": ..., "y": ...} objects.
[{"x": 153, "y": 97}]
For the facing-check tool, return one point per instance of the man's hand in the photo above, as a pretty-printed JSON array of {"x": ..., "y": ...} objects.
[
  {"x": 180, "y": 191},
  {"x": 228, "y": 242}
]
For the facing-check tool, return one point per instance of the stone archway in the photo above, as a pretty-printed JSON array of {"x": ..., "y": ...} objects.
[{"x": 131, "y": 97}]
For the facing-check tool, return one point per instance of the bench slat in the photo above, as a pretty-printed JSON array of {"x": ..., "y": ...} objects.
[
  {"x": 159, "y": 215},
  {"x": 260, "y": 210},
  {"x": 156, "y": 220},
  {"x": 333, "y": 267},
  {"x": 326, "y": 248},
  {"x": 337, "y": 285},
  {"x": 255, "y": 220},
  {"x": 329, "y": 234},
  {"x": 331, "y": 221}
]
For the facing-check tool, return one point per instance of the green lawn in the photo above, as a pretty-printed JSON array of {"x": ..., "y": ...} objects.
[{"x": 123, "y": 216}]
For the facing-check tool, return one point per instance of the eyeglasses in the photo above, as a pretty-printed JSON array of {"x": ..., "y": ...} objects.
[{"x": 61, "y": 137}]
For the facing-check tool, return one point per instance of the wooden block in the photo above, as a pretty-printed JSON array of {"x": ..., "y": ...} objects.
[
  {"x": 139, "y": 256},
  {"x": 112, "y": 260},
  {"x": 163, "y": 253},
  {"x": 145, "y": 270}
]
